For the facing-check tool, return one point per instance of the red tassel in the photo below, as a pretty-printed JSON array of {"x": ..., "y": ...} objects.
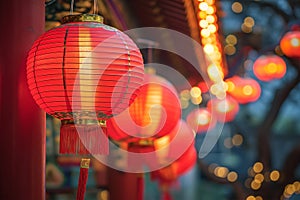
[
  {"x": 83, "y": 177},
  {"x": 166, "y": 195},
  {"x": 140, "y": 187},
  {"x": 165, "y": 192},
  {"x": 83, "y": 139}
]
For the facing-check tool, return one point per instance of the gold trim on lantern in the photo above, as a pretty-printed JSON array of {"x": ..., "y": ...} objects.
[
  {"x": 85, "y": 163},
  {"x": 82, "y": 18},
  {"x": 146, "y": 142},
  {"x": 101, "y": 123}
]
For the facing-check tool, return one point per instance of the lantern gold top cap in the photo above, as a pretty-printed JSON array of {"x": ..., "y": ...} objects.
[{"x": 82, "y": 18}]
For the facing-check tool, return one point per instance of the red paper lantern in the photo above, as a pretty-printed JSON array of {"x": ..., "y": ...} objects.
[
  {"x": 244, "y": 90},
  {"x": 82, "y": 72},
  {"x": 290, "y": 44},
  {"x": 153, "y": 114},
  {"x": 200, "y": 120},
  {"x": 203, "y": 87},
  {"x": 225, "y": 109},
  {"x": 267, "y": 68},
  {"x": 182, "y": 163},
  {"x": 156, "y": 153},
  {"x": 169, "y": 174}
]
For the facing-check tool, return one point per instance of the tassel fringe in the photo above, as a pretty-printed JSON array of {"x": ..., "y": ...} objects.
[{"x": 83, "y": 139}]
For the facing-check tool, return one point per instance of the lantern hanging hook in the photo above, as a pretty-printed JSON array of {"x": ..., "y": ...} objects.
[
  {"x": 72, "y": 7},
  {"x": 95, "y": 7}
]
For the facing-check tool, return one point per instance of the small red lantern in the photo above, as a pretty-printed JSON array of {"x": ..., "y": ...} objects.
[
  {"x": 153, "y": 114},
  {"x": 244, "y": 90},
  {"x": 84, "y": 72},
  {"x": 168, "y": 175},
  {"x": 290, "y": 44},
  {"x": 225, "y": 109},
  {"x": 267, "y": 68},
  {"x": 200, "y": 120}
]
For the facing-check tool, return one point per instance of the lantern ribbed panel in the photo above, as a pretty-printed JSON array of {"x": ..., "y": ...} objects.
[
  {"x": 154, "y": 113},
  {"x": 84, "y": 67},
  {"x": 269, "y": 67}
]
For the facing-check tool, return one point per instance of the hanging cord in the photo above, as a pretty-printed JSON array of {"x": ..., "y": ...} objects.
[
  {"x": 166, "y": 195},
  {"x": 95, "y": 7},
  {"x": 140, "y": 186},
  {"x": 83, "y": 177},
  {"x": 72, "y": 7}
]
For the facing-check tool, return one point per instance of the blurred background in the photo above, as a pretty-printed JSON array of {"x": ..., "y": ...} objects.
[{"x": 258, "y": 153}]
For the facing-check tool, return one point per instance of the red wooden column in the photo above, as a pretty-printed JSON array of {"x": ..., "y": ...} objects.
[
  {"x": 22, "y": 123},
  {"x": 122, "y": 185}
]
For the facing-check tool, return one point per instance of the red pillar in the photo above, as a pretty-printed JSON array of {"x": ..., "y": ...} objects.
[
  {"x": 22, "y": 123},
  {"x": 122, "y": 185}
]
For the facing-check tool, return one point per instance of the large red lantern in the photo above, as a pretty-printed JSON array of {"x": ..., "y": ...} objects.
[
  {"x": 84, "y": 72},
  {"x": 269, "y": 67},
  {"x": 200, "y": 120},
  {"x": 225, "y": 109},
  {"x": 244, "y": 90},
  {"x": 290, "y": 44},
  {"x": 153, "y": 114}
]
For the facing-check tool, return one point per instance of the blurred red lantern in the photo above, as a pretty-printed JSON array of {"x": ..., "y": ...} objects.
[
  {"x": 225, "y": 109},
  {"x": 267, "y": 68},
  {"x": 203, "y": 87},
  {"x": 153, "y": 114},
  {"x": 166, "y": 176},
  {"x": 82, "y": 72},
  {"x": 290, "y": 44},
  {"x": 244, "y": 90},
  {"x": 200, "y": 120},
  {"x": 156, "y": 153},
  {"x": 169, "y": 174},
  {"x": 182, "y": 148}
]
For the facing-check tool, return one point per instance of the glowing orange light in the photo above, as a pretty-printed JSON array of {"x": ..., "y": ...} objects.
[
  {"x": 258, "y": 167},
  {"x": 208, "y": 48},
  {"x": 270, "y": 67},
  {"x": 195, "y": 92},
  {"x": 200, "y": 120},
  {"x": 231, "y": 39},
  {"x": 212, "y": 28},
  {"x": 210, "y": 19},
  {"x": 202, "y": 14},
  {"x": 210, "y": 10},
  {"x": 225, "y": 110},
  {"x": 203, "y": 23},
  {"x": 209, "y": 34},
  {"x": 290, "y": 44},
  {"x": 203, "y": 6},
  {"x": 237, "y": 7},
  {"x": 246, "y": 90},
  {"x": 205, "y": 33},
  {"x": 274, "y": 175},
  {"x": 232, "y": 176}
]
